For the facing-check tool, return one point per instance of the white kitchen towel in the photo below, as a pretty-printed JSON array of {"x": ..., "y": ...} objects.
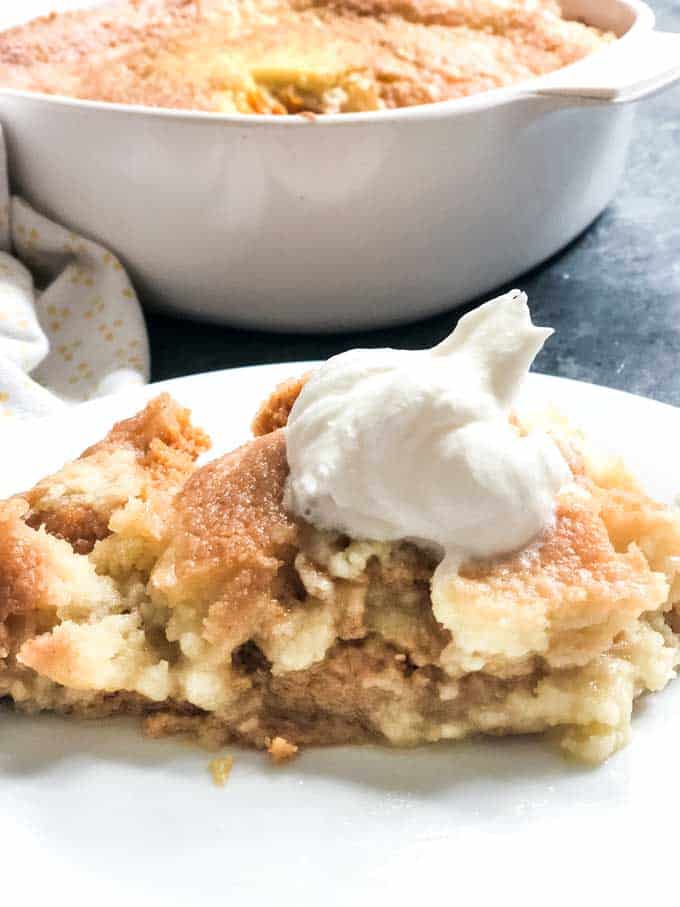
[{"x": 71, "y": 327}]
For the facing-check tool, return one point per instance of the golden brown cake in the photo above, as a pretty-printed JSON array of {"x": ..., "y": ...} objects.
[
  {"x": 289, "y": 56},
  {"x": 133, "y": 581}
]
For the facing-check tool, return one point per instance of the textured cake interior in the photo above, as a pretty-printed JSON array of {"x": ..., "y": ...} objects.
[
  {"x": 288, "y": 56},
  {"x": 133, "y": 581}
]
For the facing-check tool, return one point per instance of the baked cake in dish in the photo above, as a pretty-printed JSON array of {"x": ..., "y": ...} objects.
[
  {"x": 291, "y": 56},
  {"x": 133, "y": 581}
]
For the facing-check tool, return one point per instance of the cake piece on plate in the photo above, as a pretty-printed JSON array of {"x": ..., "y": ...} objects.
[{"x": 397, "y": 556}]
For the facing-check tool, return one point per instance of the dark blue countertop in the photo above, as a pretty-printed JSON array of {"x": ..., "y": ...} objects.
[{"x": 613, "y": 296}]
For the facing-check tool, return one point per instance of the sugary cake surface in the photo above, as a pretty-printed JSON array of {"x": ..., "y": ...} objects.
[
  {"x": 132, "y": 581},
  {"x": 289, "y": 56}
]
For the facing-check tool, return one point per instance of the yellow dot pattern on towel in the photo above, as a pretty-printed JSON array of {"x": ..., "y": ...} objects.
[{"x": 81, "y": 332}]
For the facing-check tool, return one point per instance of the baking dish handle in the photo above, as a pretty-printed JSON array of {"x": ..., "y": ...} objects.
[{"x": 627, "y": 71}]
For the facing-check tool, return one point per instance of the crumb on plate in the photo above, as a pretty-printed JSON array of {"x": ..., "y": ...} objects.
[
  {"x": 220, "y": 769},
  {"x": 281, "y": 750}
]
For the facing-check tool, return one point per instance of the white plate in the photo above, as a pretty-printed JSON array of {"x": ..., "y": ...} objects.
[{"x": 92, "y": 813}]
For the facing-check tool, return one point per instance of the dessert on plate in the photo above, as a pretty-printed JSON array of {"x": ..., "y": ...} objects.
[
  {"x": 398, "y": 555},
  {"x": 291, "y": 56}
]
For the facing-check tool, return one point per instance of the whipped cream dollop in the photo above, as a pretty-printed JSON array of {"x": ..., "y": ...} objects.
[{"x": 394, "y": 444}]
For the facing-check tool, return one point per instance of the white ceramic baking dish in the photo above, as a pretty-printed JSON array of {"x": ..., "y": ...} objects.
[{"x": 354, "y": 220}]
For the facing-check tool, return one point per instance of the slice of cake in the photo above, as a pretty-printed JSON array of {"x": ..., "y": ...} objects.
[{"x": 201, "y": 599}]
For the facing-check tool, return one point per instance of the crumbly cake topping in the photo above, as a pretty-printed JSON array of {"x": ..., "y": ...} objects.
[{"x": 290, "y": 56}]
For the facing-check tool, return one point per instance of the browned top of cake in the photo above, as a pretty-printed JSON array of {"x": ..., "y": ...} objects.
[
  {"x": 229, "y": 538},
  {"x": 287, "y": 56},
  {"x": 155, "y": 448},
  {"x": 274, "y": 411}
]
